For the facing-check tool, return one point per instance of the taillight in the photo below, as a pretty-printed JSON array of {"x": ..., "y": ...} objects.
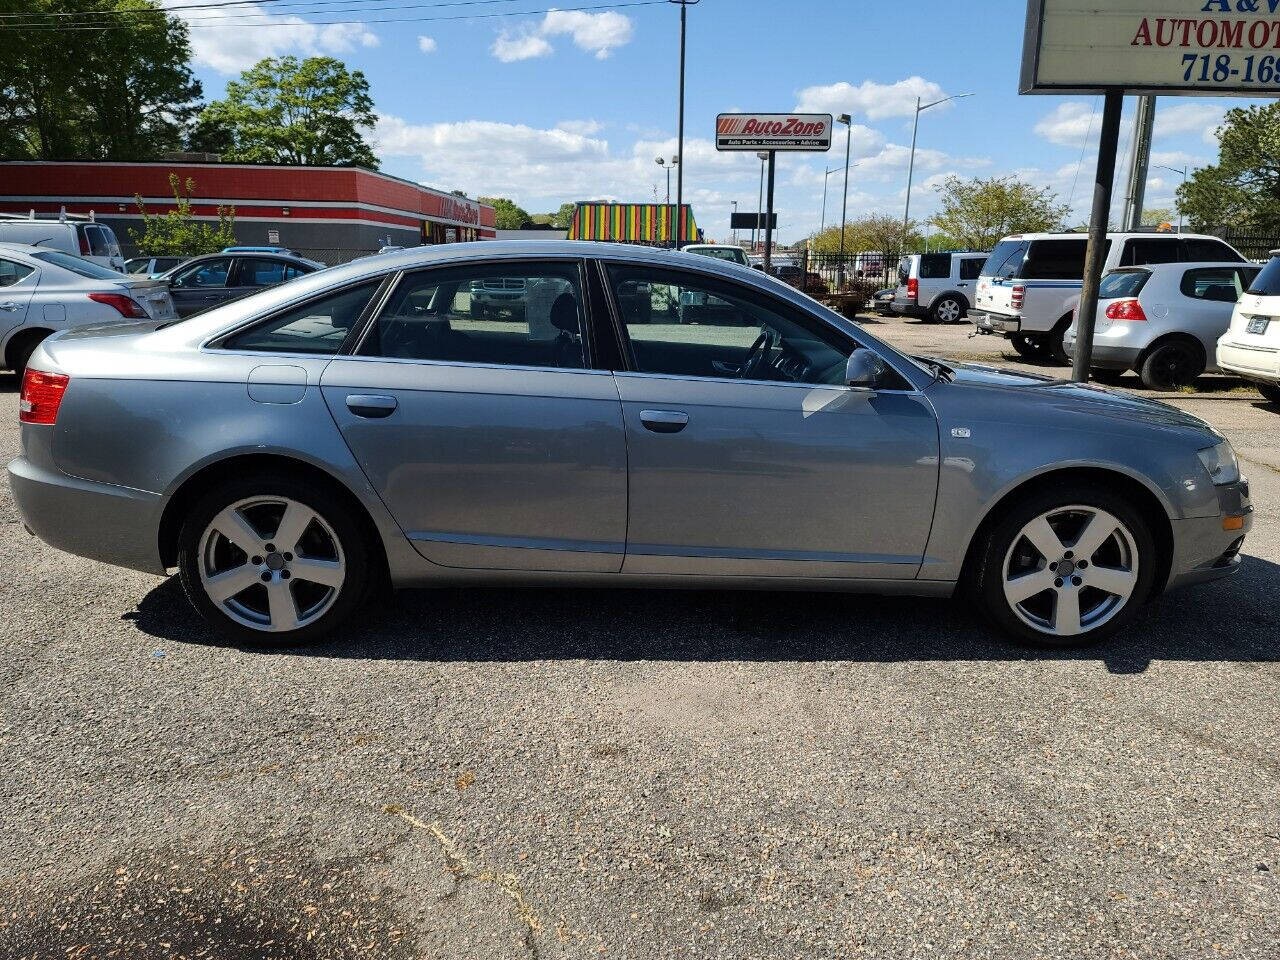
[
  {"x": 41, "y": 396},
  {"x": 1125, "y": 310},
  {"x": 913, "y": 289},
  {"x": 126, "y": 306},
  {"x": 1016, "y": 294}
]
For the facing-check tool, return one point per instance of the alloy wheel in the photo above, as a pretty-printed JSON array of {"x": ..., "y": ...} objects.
[
  {"x": 948, "y": 311},
  {"x": 1070, "y": 570},
  {"x": 272, "y": 564}
]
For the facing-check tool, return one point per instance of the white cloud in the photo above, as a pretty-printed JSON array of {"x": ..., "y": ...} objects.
[
  {"x": 874, "y": 100},
  {"x": 1202, "y": 118},
  {"x": 1067, "y": 124},
  {"x": 597, "y": 33},
  {"x": 510, "y": 47},
  {"x": 251, "y": 33},
  {"x": 584, "y": 127},
  {"x": 427, "y": 44}
]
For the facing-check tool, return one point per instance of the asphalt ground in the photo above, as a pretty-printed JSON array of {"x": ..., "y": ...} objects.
[{"x": 566, "y": 773}]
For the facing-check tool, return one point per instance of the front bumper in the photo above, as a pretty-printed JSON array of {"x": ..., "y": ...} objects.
[
  {"x": 112, "y": 524},
  {"x": 1202, "y": 548},
  {"x": 995, "y": 323}
]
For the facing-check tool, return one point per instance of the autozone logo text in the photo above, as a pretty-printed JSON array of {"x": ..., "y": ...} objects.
[
  {"x": 790, "y": 127},
  {"x": 774, "y": 131}
]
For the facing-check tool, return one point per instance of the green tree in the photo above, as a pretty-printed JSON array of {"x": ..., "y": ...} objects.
[
  {"x": 977, "y": 213},
  {"x": 875, "y": 233},
  {"x": 86, "y": 94},
  {"x": 285, "y": 111},
  {"x": 563, "y": 217},
  {"x": 178, "y": 233},
  {"x": 509, "y": 216},
  {"x": 1243, "y": 187},
  {"x": 1154, "y": 216}
]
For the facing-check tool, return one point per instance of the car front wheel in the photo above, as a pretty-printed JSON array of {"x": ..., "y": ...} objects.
[
  {"x": 1270, "y": 392},
  {"x": 947, "y": 310},
  {"x": 1068, "y": 565},
  {"x": 273, "y": 560}
]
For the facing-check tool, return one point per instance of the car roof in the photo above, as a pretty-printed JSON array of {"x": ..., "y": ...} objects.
[{"x": 1111, "y": 235}]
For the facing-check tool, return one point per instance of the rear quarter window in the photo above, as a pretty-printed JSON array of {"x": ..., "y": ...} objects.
[
  {"x": 971, "y": 268},
  {"x": 935, "y": 266},
  {"x": 1209, "y": 251},
  {"x": 1054, "y": 260}
]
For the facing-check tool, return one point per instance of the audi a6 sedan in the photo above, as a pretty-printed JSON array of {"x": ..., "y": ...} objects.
[{"x": 293, "y": 451}]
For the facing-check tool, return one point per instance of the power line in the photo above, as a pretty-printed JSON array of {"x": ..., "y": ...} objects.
[{"x": 239, "y": 19}]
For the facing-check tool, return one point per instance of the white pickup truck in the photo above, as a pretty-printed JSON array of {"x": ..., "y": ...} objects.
[{"x": 1028, "y": 288}]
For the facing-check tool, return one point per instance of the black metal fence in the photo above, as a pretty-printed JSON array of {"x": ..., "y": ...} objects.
[
  {"x": 1254, "y": 243},
  {"x": 864, "y": 269}
]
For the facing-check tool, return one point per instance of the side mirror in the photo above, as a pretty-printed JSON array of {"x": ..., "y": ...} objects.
[{"x": 865, "y": 370}]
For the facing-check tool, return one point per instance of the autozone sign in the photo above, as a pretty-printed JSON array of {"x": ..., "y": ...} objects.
[{"x": 773, "y": 131}]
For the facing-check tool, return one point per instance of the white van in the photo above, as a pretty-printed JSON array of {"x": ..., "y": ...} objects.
[
  {"x": 937, "y": 286},
  {"x": 1029, "y": 285},
  {"x": 75, "y": 234}
]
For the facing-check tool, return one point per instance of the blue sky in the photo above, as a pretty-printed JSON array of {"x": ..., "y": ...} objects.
[{"x": 574, "y": 105}]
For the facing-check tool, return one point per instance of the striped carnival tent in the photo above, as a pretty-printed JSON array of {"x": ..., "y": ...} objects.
[{"x": 646, "y": 223}]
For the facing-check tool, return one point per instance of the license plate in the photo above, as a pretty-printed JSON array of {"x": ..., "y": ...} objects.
[{"x": 1258, "y": 325}]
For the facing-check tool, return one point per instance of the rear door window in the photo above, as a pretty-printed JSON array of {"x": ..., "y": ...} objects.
[
  {"x": 261, "y": 273},
  {"x": 1054, "y": 260},
  {"x": 1150, "y": 250},
  {"x": 1196, "y": 250},
  {"x": 971, "y": 268},
  {"x": 935, "y": 266},
  {"x": 11, "y": 273},
  {"x": 1212, "y": 283}
]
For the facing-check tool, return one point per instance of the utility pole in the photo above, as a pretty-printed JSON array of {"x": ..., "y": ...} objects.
[
  {"x": 825, "y": 175},
  {"x": 1144, "y": 121},
  {"x": 847, "y": 120},
  {"x": 1096, "y": 250},
  {"x": 759, "y": 203},
  {"x": 679, "y": 222},
  {"x": 735, "y": 229}
]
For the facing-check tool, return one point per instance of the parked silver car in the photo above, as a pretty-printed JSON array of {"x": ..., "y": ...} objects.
[
  {"x": 291, "y": 451},
  {"x": 1162, "y": 320}
]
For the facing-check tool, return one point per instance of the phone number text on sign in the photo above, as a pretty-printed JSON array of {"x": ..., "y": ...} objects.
[{"x": 1155, "y": 46}]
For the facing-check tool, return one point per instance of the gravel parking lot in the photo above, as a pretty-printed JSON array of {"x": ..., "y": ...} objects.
[{"x": 545, "y": 773}]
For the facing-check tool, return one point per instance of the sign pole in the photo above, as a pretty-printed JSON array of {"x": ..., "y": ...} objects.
[
  {"x": 768, "y": 216},
  {"x": 1096, "y": 252}
]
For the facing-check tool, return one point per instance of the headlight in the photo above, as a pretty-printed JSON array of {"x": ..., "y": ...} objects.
[{"x": 1220, "y": 461}]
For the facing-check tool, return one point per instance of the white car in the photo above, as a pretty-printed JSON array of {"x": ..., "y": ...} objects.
[
  {"x": 719, "y": 251},
  {"x": 151, "y": 266},
  {"x": 1251, "y": 346},
  {"x": 70, "y": 233},
  {"x": 1162, "y": 320},
  {"x": 43, "y": 291},
  {"x": 937, "y": 286},
  {"x": 1030, "y": 284}
]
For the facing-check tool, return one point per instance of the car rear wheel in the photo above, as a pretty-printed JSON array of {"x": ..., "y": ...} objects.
[
  {"x": 1054, "y": 342},
  {"x": 1067, "y": 565},
  {"x": 1176, "y": 363},
  {"x": 272, "y": 560},
  {"x": 1025, "y": 346},
  {"x": 22, "y": 349},
  {"x": 947, "y": 310},
  {"x": 1270, "y": 392}
]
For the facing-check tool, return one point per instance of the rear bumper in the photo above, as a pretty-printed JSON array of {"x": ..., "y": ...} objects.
[
  {"x": 1251, "y": 362},
  {"x": 995, "y": 323},
  {"x": 111, "y": 524},
  {"x": 1202, "y": 549},
  {"x": 1105, "y": 356},
  {"x": 907, "y": 308}
]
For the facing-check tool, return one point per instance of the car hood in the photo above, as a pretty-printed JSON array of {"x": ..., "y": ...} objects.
[{"x": 1077, "y": 398}]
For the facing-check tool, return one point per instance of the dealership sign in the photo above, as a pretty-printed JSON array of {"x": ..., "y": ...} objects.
[
  {"x": 774, "y": 131},
  {"x": 1166, "y": 47}
]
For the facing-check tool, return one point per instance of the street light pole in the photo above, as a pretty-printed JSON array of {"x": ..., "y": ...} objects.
[
  {"x": 760, "y": 202},
  {"x": 826, "y": 174},
  {"x": 911, "y": 165},
  {"x": 1183, "y": 171},
  {"x": 731, "y": 226},
  {"x": 662, "y": 162},
  {"x": 679, "y": 224},
  {"x": 844, "y": 203}
]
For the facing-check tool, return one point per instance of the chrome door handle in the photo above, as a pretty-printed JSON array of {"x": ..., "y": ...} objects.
[
  {"x": 664, "y": 421},
  {"x": 371, "y": 406},
  {"x": 9, "y": 306}
]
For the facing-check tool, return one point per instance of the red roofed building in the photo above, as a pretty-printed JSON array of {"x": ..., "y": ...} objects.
[{"x": 331, "y": 214}]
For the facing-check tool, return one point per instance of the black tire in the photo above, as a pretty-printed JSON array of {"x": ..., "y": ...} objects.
[
  {"x": 1172, "y": 364},
  {"x": 947, "y": 306},
  {"x": 22, "y": 349},
  {"x": 1024, "y": 346},
  {"x": 1110, "y": 377},
  {"x": 986, "y": 580},
  {"x": 361, "y": 568},
  {"x": 1270, "y": 392},
  {"x": 1055, "y": 349}
]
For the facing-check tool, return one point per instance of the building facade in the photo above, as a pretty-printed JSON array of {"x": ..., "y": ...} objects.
[{"x": 331, "y": 214}]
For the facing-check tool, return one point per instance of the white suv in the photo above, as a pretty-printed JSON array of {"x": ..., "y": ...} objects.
[
  {"x": 1251, "y": 346},
  {"x": 1031, "y": 282},
  {"x": 937, "y": 286}
]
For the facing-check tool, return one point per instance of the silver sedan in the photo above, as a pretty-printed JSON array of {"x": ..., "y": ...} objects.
[{"x": 373, "y": 424}]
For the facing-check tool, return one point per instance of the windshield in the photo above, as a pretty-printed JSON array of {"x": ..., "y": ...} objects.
[
  {"x": 77, "y": 265},
  {"x": 1267, "y": 283}
]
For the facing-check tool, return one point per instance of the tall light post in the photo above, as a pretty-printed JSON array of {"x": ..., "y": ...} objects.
[
  {"x": 844, "y": 203},
  {"x": 825, "y": 175},
  {"x": 1183, "y": 171},
  {"x": 764, "y": 156},
  {"x": 911, "y": 165},
  {"x": 667, "y": 165},
  {"x": 679, "y": 224},
  {"x": 731, "y": 226}
]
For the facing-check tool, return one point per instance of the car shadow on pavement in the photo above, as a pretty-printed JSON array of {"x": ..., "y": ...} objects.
[
  {"x": 506, "y": 624},
  {"x": 9, "y": 382}
]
